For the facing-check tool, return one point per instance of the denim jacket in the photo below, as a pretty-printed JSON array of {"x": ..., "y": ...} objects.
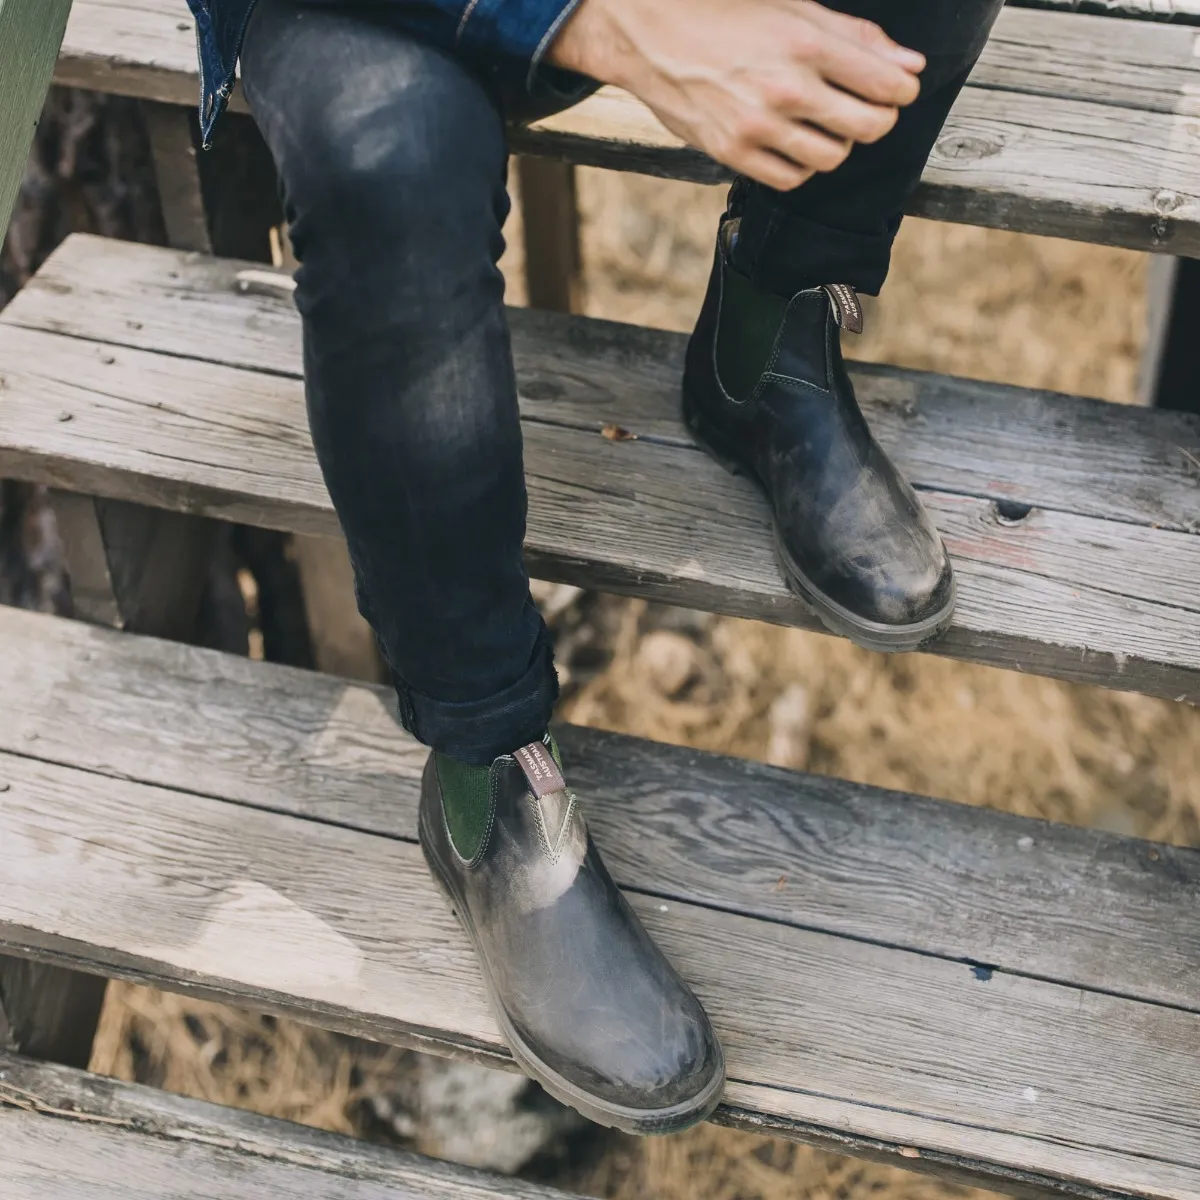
[{"x": 506, "y": 37}]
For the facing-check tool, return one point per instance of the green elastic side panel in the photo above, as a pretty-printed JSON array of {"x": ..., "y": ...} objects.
[
  {"x": 555, "y": 750},
  {"x": 465, "y": 797},
  {"x": 749, "y": 323}
]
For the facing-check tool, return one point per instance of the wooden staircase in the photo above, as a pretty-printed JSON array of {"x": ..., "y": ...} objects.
[{"x": 985, "y": 997}]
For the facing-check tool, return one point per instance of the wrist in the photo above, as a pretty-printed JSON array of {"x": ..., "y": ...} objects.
[{"x": 586, "y": 42}]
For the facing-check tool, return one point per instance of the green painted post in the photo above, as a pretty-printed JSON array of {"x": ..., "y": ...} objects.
[
  {"x": 31, "y": 34},
  {"x": 44, "y": 1011}
]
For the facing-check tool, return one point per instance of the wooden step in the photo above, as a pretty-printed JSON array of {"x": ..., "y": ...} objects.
[
  {"x": 1076, "y": 126},
  {"x": 148, "y": 375},
  {"x": 68, "y": 1135},
  {"x": 955, "y": 989}
]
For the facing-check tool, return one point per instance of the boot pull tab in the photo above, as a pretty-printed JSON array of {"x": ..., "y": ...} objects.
[
  {"x": 846, "y": 305},
  {"x": 541, "y": 771}
]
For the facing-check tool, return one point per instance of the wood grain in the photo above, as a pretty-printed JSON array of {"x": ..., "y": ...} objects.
[
  {"x": 1071, "y": 590},
  {"x": 943, "y": 879},
  {"x": 550, "y": 226},
  {"x": 1183, "y": 11},
  {"x": 346, "y": 929},
  {"x": 131, "y": 567},
  {"x": 1007, "y": 159},
  {"x": 955, "y": 435},
  {"x": 343, "y": 643},
  {"x": 66, "y": 1135},
  {"x": 1074, "y": 125},
  {"x": 1128, "y": 64}
]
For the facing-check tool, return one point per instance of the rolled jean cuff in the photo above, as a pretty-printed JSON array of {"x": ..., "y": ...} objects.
[
  {"x": 478, "y": 731},
  {"x": 786, "y": 252}
]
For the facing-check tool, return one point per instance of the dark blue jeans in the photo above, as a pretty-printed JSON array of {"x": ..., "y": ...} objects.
[{"x": 392, "y": 160}]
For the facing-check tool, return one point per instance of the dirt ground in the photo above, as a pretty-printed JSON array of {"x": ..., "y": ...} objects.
[{"x": 971, "y": 302}]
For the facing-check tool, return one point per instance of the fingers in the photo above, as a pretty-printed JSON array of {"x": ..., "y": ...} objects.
[
  {"x": 840, "y": 113},
  {"x": 866, "y": 34},
  {"x": 859, "y": 57},
  {"x": 768, "y": 168},
  {"x": 781, "y": 153},
  {"x": 807, "y": 146},
  {"x": 866, "y": 74}
]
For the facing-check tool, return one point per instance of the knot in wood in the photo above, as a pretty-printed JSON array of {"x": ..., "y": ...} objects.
[{"x": 972, "y": 147}]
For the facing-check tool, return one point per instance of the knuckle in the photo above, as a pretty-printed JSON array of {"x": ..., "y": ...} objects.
[
  {"x": 787, "y": 178},
  {"x": 752, "y": 128},
  {"x": 805, "y": 43},
  {"x": 780, "y": 95},
  {"x": 831, "y": 156},
  {"x": 881, "y": 125},
  {"x": 722, "y": 147},
  {"x": 869, "y": 33}
]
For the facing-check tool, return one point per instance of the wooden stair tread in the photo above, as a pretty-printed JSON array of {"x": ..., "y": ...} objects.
[
  {"x": 145, "y": 374},
  {"x": 1010, "y": 1000},
  {"x": 105, "y": 1140},
  {"x": 1072, "y": 125}
]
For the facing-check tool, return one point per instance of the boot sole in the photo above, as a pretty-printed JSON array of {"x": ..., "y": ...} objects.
[
  {"x": 612, "y": 1116},
  {"x": 871, "y": 635}
]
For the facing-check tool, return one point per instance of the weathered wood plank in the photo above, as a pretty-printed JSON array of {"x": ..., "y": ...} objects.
[
  {"x": 953, "y": 435},
  {"x": 171, "y": 1117},
  {"x": 1082, "y": 908},
  {"x": 1171, "y": 377},
  {"x": 1183, "y": 11},
  {"x": 1041, "y": 162},
  {"x": 31, "y": 32},
  {"x": 656, "y": 520},
  {"x": 146, "y": 48},
  {"x": 1129, "y": 65},
  {"x": 1007, "y": 160},
  {"x": 550, "y": 221},
  {"x": 136, "y": 568},
  {"x": 343, "y": 643},
  {"x": 65, "y": 1135},
  {"x": 49, "y": 1013},
  {"x": 346, "y": 929},
  {"x": 1061, "y": 592},
  {"x": 177, "y": 173}
]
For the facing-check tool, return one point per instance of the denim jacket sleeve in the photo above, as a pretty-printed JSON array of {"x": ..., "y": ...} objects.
[
  {"x": 510, "y": 37},
  {"x": 519, "y": 30}
]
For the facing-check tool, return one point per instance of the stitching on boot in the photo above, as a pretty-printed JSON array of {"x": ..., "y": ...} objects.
[
  {"x": 771, "y": 376},
  {"x": 553, "y": 853}
]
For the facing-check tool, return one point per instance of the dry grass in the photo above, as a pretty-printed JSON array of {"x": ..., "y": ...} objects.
[
  {"x": 227, "y": 1056},
  {"x": 941, "y": 728},
  {"x": 973, "y": 302}
]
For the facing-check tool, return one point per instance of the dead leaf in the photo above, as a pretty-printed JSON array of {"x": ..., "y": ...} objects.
[
  {"x": 909, "y": 1152},
  {"x": 782, "y": 881},
  {"x": 618, "y": 433}
]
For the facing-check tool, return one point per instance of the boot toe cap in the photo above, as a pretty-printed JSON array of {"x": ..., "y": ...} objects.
[
  {"x": 662, "y": 1074},
  {"x": 907, "y": 595}
]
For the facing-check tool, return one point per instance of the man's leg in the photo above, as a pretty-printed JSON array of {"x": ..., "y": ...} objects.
[
  {"x": 839, "y": 228},
  {"x": 765, "y": 386},
  {"x": 392, "y": 158}
]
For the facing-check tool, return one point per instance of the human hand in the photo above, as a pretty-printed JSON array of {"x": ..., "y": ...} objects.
[{"x": 774, "y": 89}]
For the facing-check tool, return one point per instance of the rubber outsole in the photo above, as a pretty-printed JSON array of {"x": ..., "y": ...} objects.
[
  {"x": 871, "y": 635},
  {"x": 612, "y": 1116}
]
